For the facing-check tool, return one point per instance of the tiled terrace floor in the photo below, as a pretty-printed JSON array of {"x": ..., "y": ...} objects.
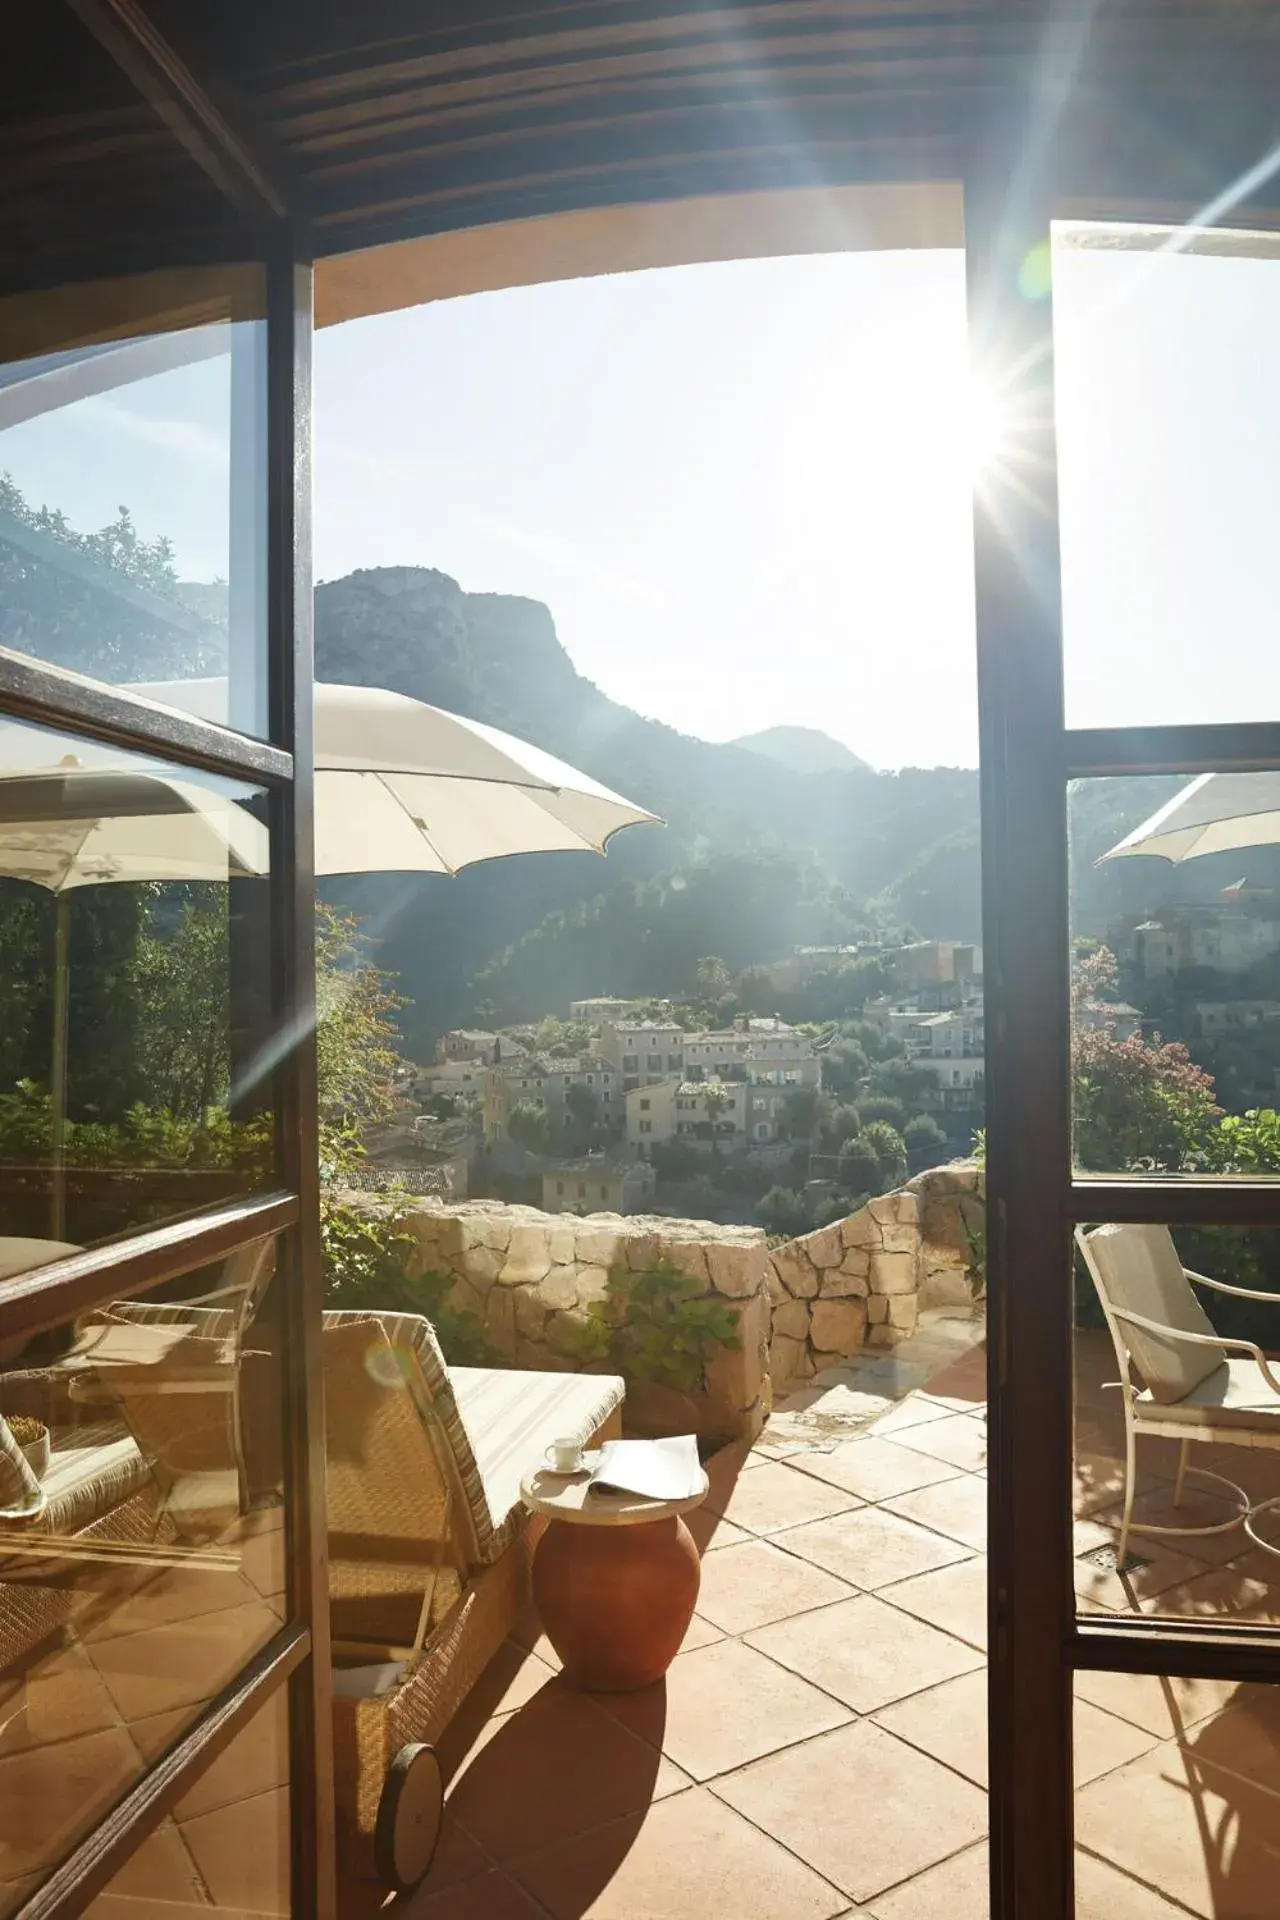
[{"x": 818, "y": 1747}]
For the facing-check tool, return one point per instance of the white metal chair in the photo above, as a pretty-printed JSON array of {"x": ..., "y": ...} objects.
[{"x": 1192, "y": 1389}]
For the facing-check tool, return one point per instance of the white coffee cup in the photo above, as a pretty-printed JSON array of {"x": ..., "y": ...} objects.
[{"x": 565, "y": 1455}]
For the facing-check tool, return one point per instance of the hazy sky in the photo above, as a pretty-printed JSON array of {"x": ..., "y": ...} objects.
[{"x": 743, "y": 489}]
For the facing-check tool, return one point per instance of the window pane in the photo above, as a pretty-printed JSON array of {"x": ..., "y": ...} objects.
[
  {"x": 225, "y": 1850},
  {"x": 1168, "y": 400},
  {"x": 1175, "y": 1798},
  {"x": 132, "y": 485},
  {"x": 134, "y": 1022},
  {"x": 1176, "y": 974},
  {"x": 141, "y": 1549},
  {"x": 1177, "y": 1412}
]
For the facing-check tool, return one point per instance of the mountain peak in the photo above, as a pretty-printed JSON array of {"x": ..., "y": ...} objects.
[{"x": 803, "y": 750}]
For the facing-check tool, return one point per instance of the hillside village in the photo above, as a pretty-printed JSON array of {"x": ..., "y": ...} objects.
[{"x": 617, "y": 1104}]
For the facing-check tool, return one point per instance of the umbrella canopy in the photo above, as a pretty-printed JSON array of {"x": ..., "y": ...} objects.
[
  {"x": 76, "y": 826},
  {"x": 405, "y": 787},
  {"x": 1215, "y": 813}
]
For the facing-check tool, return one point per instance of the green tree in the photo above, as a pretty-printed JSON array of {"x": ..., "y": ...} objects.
[
  {"x": 530, "y": 1127},
  {"x": 1138, "y": 1105},
  {"x": 890, "y": 1151},
  {"x": 858, "y": 1168},
  {"x": 355, "y": 1001},
  {"x": 582, "y": 1107},
  {"x": 784, "y": 1211},
  {"x": 713, "y": 976},
  {"x": 925, "y": 1142}
]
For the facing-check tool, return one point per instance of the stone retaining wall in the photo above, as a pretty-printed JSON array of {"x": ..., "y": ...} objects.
[
  {"x": 527, "y": 1278},
  {"x": 864, "y": 1279}
]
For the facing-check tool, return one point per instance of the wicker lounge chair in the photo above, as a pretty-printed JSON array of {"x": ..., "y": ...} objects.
[{"x": 428, "y": 1557}]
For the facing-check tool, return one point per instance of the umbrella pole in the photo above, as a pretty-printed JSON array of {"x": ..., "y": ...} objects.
[{"x": 58, "y": 1068}]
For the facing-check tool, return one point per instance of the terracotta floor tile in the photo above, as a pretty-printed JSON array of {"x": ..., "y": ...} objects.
[
  {"x": 173, "y": 1594},
  {"x": 711, "y": 1530},
  {"x": 182, "y": 1664},
  {"x": 726, "y": 1705},
  {"x": 489, "y": 1896},
  {"x": 254, "y": 1763},
  {"x": 53, "y": 1795},
  {"x": 243, "y": 1852},
  {"x": 953, "y": 1598},
  {"x": 559, "y": 1766},
  {"x": 1208, "y": 1840},
  {"x": 1103, "y": 1742},
  {"x": 700, "y": 1633},
  {"x": 59, "y": 1698},
  {"x": 1245, "y": 1739},
  {"x": 1161, "y": 1707},
  {"x": 948, "y": 1722},
  {"x": 911, "y": 1412},
  {"x": 956, "y": 1890},
  {"x": 1104, "y": 1893},
  {"x": 869, "y": 1547},
  {"x": 163, "y": 1871},
  {"x": 458, "y": 1858},
  {"x": 960, "y": 1441},
  {"x": 875, "y": 1469},
  {"x": 864, "y": 1652},
  {"x": 1155, "y": 1569},
  {"x": 957, "y": 1507},
  {"x": 917, "y": 1812},
  {"x": 1226, "y": 1593},
  {"x": 692, "y": 1858},
  {"x": 748, "y": 1586},
  {"x": 778, "y": 1496}
]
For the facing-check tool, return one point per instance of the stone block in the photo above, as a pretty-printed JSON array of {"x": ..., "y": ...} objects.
[
  {"x": 789, "y": 1361},
  {"x": 837, "y": 1284},
  {"x": 825, "y": 1248},
  {"x": 558, "y": 1289},
  {"x": 481, "y": 1265},
  {"x": 531, "y": 1313},
  {"x": 838, "y": 1326},
  {"x": 600, "y": 1246},
  {"x": 904, "y": 1312},
  {"x": 792, "y": 1319},
  {"x": 773, "y": 1285},
  {"x": 641, "y": 1251},
  {"x": 500, "y": 1321},
  {"x": 897, "y": 1237},
  {"x": 592, "y": 1283},
  {"x": 562, "y": 1245},
  {"x": 902, "y": 1208},
  {"x": 893, "y": 1273},
  {"x": 796, "y": 1271},
  {"x": 860, "y": 1229},
  {"x": 734, "y": 1270},
  {"x": 528, "y": 1257},
  {"x": 878, "y": 1309},
  {"x": 687, "y": 1257}
]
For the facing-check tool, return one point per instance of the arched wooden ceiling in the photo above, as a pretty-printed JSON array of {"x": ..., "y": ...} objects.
[{"x": 378, "y": 120}]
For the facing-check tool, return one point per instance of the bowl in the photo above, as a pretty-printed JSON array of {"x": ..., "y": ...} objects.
[{"x": 33, "y": 1438}]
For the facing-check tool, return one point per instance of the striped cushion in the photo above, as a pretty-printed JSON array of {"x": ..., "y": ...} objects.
[
  {"x": 512, "y": 1418},
  {"x": 19, "y": 1488}
]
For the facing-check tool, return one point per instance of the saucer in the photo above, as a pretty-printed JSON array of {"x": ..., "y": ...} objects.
[{"x": 562, "y": 1473}]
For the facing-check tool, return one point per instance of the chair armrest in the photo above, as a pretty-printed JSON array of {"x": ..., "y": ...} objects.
[
  {"x": 1241, "y": 1293},
  {"x": 1201, "y": 1340}
]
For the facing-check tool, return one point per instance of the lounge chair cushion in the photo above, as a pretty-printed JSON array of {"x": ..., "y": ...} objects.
[
  {"x": 512, "y": 1417},
  {"x": 19, "y": 1488},
  {"x": 1236, "y": 1394},
  {"x": 1141, "y": 1273}
]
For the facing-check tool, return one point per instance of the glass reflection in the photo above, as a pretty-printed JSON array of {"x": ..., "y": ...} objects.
[
  {"x": 132, "y": 1035},
  {"x": 132, "y": 484},
  {"x": 141, "y": 1542},
  {"x": 1175, "y": 923},
  {"x": 1177, "y": 1423}
]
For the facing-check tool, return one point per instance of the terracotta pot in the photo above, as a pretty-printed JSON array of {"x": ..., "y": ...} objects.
[{"x": 616, "y": 1601}]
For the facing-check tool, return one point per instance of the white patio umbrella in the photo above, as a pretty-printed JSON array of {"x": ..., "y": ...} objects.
[
  {"x": 400, "y": 787},
  {"x": 1215, "y": 813},
  {"x": 403, "y": 787},
  {"x": 74, "y": 826}
]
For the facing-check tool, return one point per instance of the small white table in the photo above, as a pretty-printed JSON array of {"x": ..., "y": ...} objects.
[{"x": 615, "y": 1578}]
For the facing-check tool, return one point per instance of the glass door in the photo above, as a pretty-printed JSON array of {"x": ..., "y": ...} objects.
[
  {"x": 1131, "y": 749},
  {"x": 164, "y": 1668}
]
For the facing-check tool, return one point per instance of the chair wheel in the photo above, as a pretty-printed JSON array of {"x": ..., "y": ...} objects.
[{"x": 409, "y": 1815}]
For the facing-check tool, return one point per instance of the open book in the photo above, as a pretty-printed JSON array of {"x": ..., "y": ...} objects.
[{"x": 655, "y": 1469}]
